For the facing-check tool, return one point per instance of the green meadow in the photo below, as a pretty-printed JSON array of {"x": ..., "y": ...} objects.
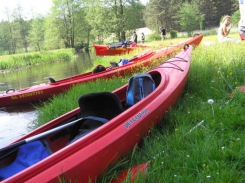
[{"x": 201, "y": 138}]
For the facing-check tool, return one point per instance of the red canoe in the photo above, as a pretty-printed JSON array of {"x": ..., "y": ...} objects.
[
  {"x": 117, "y": 49},
  {"x": 85, "y": 159},
  {"x": 45, "y": 91}
]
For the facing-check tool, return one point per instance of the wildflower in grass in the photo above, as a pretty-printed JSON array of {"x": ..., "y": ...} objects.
[
  {"x": 209, "y": 176},
  {"x": 211, "y": 101},
  {"x": 223, "y": 148},
  {"x": 222, "y": 75}
]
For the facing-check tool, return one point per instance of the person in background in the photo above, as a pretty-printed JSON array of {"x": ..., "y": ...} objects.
[
  {"x": 224, "y": 30},
  {"x": 241, "y": 23},
  {"x": 134, "y": 37},
  {"x": 163, "y": 33},
  {"x": 142, "y": 37}
]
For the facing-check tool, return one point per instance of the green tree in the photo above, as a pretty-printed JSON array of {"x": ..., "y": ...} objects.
[
  {"x": 190, "y": 17},
  {"x": 82, "y": 29},
  {"x": 52, "y": 38},
  {"x": 114, "y": 16},
  {"x": 235, "y": 17},
  {"x": 63, "y": 17},
  {"x": 21, "y": 27},
  {"x": 162, "y": 13},
  {"x": 8, "y": 34},
  {"x": 36, "y": 33}
]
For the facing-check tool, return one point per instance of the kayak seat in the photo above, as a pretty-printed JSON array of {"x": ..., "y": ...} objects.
[
  {"x": 114, "y": 64},
  {"x": 98, "y": 68},
  {"x": 102, "y": 105},
  {"x": 86, "y": 125},
  {"x": 51, "y": 80}
]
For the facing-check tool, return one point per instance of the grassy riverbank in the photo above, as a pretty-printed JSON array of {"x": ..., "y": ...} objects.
[
  {"x": 29, "y": 59},
  {"x": 201, "y": 139}
]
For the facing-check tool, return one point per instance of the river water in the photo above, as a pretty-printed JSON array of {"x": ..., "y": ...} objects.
[{"x": 16, "y": 121}]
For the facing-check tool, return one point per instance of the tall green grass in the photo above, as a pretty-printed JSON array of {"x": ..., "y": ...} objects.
[
  {"x": 180, "y": 150},
  {"x": 23, "y": 60}
]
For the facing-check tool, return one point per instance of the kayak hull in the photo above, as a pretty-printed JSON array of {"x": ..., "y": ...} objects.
[{"x": 105, "y": 50}]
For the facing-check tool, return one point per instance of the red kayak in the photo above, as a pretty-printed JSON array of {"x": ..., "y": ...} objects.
[
  {"x": 81, "y": 144},
  {"x": 117, "y": 48},
  {"x": 47, "y": 90}
]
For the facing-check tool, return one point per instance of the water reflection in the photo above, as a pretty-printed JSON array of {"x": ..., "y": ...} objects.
[{"x": 15, "y": 121}]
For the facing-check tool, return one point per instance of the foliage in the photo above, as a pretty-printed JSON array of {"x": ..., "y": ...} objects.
[
  {"x": 190, "y": 17},
  {"x": 235, "y": 17},
  {"x": 52, "y": 38},
  {"x": 154, "y": 37},
  {"x": 117, "y": 17},
  {"x": 36, "y": 33},
  {"x": 63, "y": 18},
  {"x": 173, "y": 34},
  {"x": 166, "y": 12},
  {"x": 21, "y": 27},
  {"x": 23, "y": 60}
]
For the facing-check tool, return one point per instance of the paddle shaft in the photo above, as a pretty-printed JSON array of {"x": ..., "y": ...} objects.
[{"x": 39, "y": 136}]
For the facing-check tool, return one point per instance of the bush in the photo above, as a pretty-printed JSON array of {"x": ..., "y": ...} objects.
[
  {"x": 154, "y": 37},
  {"x": 235, "y": 17},
  {"x": 210, "y": 32},
  {"x": 173, "y": 34}
]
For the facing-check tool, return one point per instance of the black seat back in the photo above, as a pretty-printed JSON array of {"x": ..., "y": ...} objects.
[{"x": 102, "y": 104}]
